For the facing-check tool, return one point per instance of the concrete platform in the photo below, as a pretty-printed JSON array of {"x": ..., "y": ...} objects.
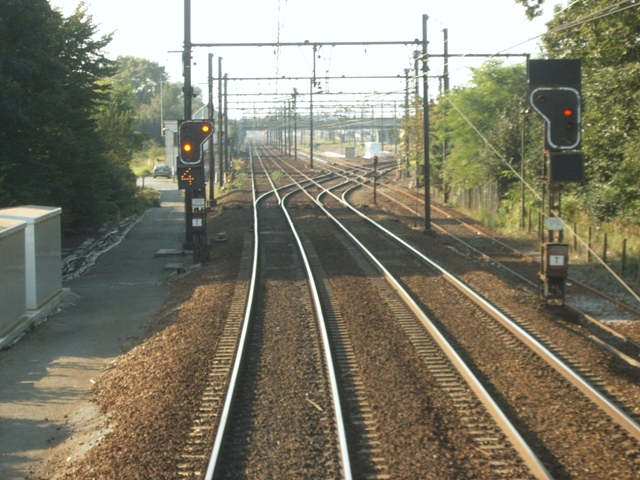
[{"x": 46, "y": 377}]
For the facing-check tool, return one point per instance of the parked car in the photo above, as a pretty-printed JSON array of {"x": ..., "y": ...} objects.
[{"x": 162, "y": 170}]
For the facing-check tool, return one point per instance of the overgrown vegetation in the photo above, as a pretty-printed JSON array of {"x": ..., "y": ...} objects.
[
  {"x": 277, "y": 175},
  {"x": 71, "y": 119},
  {"x": 143, "y": 160},
  {"x": 76, "y": 128},
  {"x": 482, "y": 134},
  {"x": 238, "y": 176}
]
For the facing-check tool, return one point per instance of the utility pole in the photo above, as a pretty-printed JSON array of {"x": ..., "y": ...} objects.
[
  {"x": 416, "y": 71},
  {"x": 395, "y": 128},
  {"x": 406, "y": 115},
  {"x": 313, "y": 84},
  {"x": 191, "y": 166},
  {"x": 227, "y": 157},
  {"x": 188, "y": 92},
  {"x": 445, "y": 188},
  {"x": 425, "y": 102},
  {"x": 524, "y": 112},
  {"x": 220, "y": 152},
  {"x": 186, "y": 60},
  {"x": 295, "y": 126},
  {"x": 288, "y": 128},
  {"x": 212, "y": 200}
]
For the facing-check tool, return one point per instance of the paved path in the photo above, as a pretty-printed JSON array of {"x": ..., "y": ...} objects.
[{"x": 46, "y": 378}]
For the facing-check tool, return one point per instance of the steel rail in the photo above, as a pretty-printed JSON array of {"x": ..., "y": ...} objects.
[
  {"x": 592, "y": 290},
  {"x": 224, "y": 417},
  {"x": 615, "y": 413},
  {"x": 322, "y": 325},
  {"x": 211, "y": 469},
  {"x": 596, "y": 397},
  {"x": 467, "y": 245},
  {"x": 519, "y": 444},
  {"x": 593, "y": 322}
]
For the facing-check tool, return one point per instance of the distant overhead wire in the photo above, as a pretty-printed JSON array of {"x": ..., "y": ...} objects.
[
  {"x": 598, "y": 14},
  {"x": 603, "y": 12},
  {"x": 492, "y": 148},
  {"x": 327, "y": 67},
  {"x": 538, "y": 196},
  {"x": 278, "y": 51}
]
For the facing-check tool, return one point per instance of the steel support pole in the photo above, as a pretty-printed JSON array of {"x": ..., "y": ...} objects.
[
  {"x": 227, "y": 157},
  {"x": 212, "y": 163},
  {"x": 313, "y": 84},
  {"x": 445, "y": 187},
  {"x": 425, "y": 122},
  {"x": 187, "y": 90},
  {"x": 295, "y": 125},
  {"x": 220, "y": 126}
]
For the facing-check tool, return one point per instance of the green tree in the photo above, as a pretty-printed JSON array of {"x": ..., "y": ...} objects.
[
  {"x": 116, "y": 123},
  {"x": 413, "y": 130},
  {"x": 533, "y": 8},
  {"x": 150, "y": 86},
  {"x": 59, "y": 147},
  {"x": 145, "y": 80},
  {"x": 482, "y": 126},
  {"x": 31, "y": 82},
  {"x": 605, "y": 37}
]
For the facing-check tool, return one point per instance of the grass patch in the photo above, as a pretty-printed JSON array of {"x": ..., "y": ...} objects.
[
  {"x": 143, "y": 200},
  {"x": 143, "y": 161}
]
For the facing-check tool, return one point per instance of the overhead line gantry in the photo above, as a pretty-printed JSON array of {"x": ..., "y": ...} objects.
[{"x": 422, "y": 56}]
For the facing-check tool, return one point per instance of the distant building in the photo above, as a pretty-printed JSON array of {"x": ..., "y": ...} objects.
[{"x": 170, "y": 132}]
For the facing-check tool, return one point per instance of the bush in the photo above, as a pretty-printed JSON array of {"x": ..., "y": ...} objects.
[{"x": 143, "y": 200}]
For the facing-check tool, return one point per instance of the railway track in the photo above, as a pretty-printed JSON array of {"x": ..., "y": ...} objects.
[
  {"x": 499, "y": 457},
  {"x": 425, "y": 379},
  {"x": 521, "y": 265},
  {"x": 606, "y": 415},
  {"x": 281, "y": 411}
]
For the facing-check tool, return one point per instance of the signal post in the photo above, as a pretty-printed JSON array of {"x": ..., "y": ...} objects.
[
  {"x": 191, "y": 178},
  {"x": 554, "y": 93}
]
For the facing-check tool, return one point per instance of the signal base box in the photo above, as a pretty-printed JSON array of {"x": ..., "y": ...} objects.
[
  {"x": 42, "y": 248},
  {"x": 554, "y": 271},
  {"x": 566, "y": 167},
  {"x": 555, "y": 260}
]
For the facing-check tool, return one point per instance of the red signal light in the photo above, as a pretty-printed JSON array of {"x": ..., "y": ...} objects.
[{"x": 560, "y": 109}]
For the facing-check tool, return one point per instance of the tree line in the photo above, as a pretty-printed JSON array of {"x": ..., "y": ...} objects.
[
  {"x": 71, "y": 119},
  {"x": 485, "y": 132}
]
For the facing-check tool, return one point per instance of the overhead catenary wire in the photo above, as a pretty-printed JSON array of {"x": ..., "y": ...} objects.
[
  {"x": 609, "y": 10},
  {"x": 539, "y": 197},
  {"x": 603, "y": 12},
  {"x": 598, "y": 14}
]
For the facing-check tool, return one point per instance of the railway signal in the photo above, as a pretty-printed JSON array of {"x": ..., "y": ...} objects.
[
  {"x": 190, "y": 178},
  {"x": 193, "y": 134},
  {"x": 554, "y": 93},
  {"x": 560, "y": 109}
]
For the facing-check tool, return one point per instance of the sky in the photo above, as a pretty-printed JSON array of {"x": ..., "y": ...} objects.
[{"x": 155, "y": 30}]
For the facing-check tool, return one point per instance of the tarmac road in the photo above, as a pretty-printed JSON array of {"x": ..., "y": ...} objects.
[{"x": 46, "y": 377}]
